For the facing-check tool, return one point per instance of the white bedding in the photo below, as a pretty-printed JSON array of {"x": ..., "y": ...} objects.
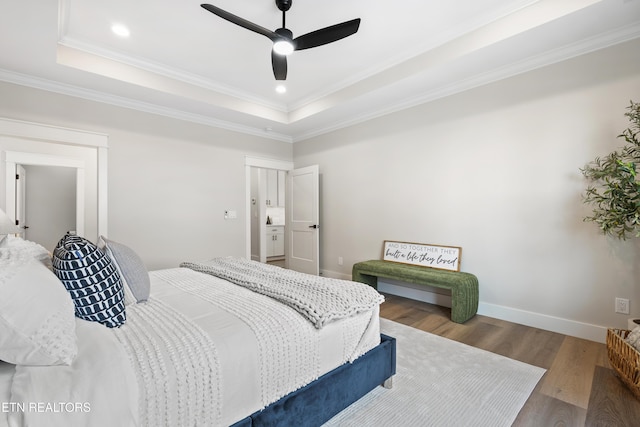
[
  {"x": 6, "y": 376},
  {"x": 98, "y": 386},
  {"x": 320, "y": 299},
  {"x": 273, "y": 350},
  {"x": 259, "y": 350}
]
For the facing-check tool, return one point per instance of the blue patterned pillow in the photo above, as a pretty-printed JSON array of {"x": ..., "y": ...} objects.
[{"x": 91, "y": 279}]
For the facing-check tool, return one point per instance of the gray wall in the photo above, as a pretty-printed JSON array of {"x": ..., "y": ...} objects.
[
  {"x": 494, "y": 170},
  {"x": 169, "y": 181}
]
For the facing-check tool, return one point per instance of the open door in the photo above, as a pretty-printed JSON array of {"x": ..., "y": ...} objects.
[
  {"x": 16, "y": 193},
  {"x": 303, "y": 211}
]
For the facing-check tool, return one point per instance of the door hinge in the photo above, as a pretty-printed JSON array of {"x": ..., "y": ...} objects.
[
  {"x": 17, "y": 176},
  {"x": 17, "y": 222}
]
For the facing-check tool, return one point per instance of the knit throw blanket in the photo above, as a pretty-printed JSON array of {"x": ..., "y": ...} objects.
[
  {"x": 319, "y": 299},
  {"x": 176, "y": 366}
]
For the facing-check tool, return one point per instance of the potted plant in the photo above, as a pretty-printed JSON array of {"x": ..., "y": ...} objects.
[
  {"x": 615, "y": 198},
  {"x": 615, "y": 190}
]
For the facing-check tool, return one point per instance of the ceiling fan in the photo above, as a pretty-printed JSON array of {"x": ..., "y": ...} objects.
[{"x": 282, "y": 38}]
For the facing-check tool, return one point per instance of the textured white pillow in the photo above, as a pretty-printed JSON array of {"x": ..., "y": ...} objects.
[
  {"x": 37, "y": 321},
  {"x": 15, "y": 250}
]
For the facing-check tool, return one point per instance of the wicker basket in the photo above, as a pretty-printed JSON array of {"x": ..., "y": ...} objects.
[{"x": 624, "y": 359}]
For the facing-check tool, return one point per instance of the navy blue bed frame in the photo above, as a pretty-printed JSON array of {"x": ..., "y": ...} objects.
[{"x": 319, "y": 401}]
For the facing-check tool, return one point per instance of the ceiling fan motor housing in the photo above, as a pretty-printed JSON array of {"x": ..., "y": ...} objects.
[
  {"x": 285, "y": 33},
  {"x": 284, "y": 5}
]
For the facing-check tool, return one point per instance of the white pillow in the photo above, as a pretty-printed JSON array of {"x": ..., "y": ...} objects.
[
  {"x": 15, "y": 250},
  {"x": 37, "y": 321}
]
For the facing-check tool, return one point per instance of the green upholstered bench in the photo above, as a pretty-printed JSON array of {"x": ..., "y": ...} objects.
[{"x": 463, "y": 286}]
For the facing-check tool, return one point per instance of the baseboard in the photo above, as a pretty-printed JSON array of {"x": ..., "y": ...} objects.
[
  {"x": 542, "y": 321},
  {"x": 335, "y": 275},
  {"x": 535, "y": 320}
]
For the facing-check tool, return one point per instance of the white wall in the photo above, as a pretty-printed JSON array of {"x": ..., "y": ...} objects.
[
  {"x": 169, "y": 181},
  {"x": 494, "y": 170}
]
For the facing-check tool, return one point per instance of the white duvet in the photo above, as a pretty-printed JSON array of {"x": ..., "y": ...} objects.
[
  {"x": 99, "y": 385},
  {"x": 202, "y": 351}
]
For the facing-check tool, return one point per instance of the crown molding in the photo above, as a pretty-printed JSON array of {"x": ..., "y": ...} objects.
[
  {"x": 171, "y": 73},
  {"x": 602, "y": 41},
  {"x": 562, "y": 53},
  {"x": 419, "y": 47},
  {"x": 24, "y": 129},
  {"x": 118, "y": 101}
]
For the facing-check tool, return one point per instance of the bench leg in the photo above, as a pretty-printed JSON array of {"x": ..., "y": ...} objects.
[{"x": 464, "y": 303}]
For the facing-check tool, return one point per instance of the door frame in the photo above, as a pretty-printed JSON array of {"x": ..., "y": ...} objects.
[
  {"x": 15, "y": 158},
  {"x": 68, "y": 136},
  {"x": 262, "y": 163}
]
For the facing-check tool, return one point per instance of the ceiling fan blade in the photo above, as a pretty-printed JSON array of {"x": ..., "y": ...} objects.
[
  {"x": 241, "y": 22},
  {"x": 279, "y": 64},
  {"x": 327, "y": 35}
]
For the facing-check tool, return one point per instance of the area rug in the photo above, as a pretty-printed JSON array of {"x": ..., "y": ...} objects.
[{"x": 440, "y": 382}]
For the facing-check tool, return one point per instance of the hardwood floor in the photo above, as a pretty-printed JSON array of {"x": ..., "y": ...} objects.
[
  {"x": 579, "y": 387},
  {"x": 279, "y": 262}
]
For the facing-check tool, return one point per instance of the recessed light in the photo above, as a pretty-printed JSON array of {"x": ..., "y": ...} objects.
[
  {"x": 120, "y": 30},
  {"x": 281, "y": 88}
]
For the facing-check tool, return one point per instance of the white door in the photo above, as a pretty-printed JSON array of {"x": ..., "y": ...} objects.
[
  {"x": 21, "y": 213},
  {"x": 16, "y": 191},
  {"x": 303, "y": 234}
]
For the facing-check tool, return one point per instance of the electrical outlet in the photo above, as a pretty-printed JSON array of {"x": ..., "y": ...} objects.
[
  {"x": 340, "y": 260},
  {"x": 622, "y": 305}
]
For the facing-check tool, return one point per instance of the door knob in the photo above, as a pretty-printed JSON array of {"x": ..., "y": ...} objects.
[{"x": 314, "y": 226}]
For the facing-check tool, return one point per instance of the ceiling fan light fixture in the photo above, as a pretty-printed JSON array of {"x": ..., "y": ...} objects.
[{"x": 283, "y": 47}]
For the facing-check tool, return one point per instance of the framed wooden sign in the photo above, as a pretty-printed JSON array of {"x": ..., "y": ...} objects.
[{"x": 434, "y": 256}]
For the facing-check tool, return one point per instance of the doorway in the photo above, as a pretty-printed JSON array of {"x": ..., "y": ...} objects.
[
  {"x": 302, "y": 237},
  {"x": 268, "y": 219},
  {"x": 46, "y": 203},
  {"x": 31, "y": 178},
  {"x": 40, "y": 144}
]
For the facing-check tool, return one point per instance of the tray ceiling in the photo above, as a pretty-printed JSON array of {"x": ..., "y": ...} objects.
[{"x": 182, "y": 61}]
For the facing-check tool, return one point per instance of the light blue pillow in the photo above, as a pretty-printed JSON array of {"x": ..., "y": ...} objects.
[
  {"x": 133, "y": 271},
  {"x": 92, "y": 280}
]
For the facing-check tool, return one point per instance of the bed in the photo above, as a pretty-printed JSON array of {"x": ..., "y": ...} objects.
[{"x": 216, "y": 343}]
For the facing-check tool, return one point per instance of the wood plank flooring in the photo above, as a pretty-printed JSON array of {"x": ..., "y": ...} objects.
[{"x": 579, "y": 387}]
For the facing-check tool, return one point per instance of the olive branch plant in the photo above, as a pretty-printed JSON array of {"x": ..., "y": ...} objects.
[{"x": 615, "y": 190}]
